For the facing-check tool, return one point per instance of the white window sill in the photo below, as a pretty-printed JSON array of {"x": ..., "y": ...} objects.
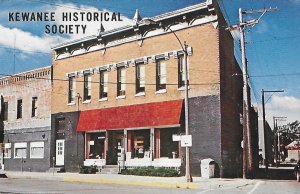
[
  {"x": 183, "y": 88},
  {"x": 86, "y": 101},
  {"x": 161, "y": 91},
  {"x": 140, "y": 94},
  {"x": 7, "y": 157},
  {"x": 20, "y": 158},
  {"x": 36, "y": 157},
  {"x": 103, "y": 99},
  {"x": 71, "y": 104},
  {"x": 121, "y": 97}
]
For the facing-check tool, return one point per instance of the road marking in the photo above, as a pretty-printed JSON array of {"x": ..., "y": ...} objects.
[
  {"x": 132, "y": 182},
  {"x": 255, "y": 187}
]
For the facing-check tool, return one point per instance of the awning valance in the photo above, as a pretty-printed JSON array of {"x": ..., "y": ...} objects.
[{"x": 133, "y": 116}]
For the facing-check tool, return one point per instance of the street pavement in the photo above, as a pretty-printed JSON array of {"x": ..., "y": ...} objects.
[
  {"x": 163, "y": 182},
  {"x": 34, "y": 182}
]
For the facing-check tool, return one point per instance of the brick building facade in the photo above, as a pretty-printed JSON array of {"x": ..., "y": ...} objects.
[
  {"x": 25, "y": 120},
  {"x": 121, "y": 92}
]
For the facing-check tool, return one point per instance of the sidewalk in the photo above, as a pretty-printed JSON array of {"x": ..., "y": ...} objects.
[{"x": 166, "y": 182}]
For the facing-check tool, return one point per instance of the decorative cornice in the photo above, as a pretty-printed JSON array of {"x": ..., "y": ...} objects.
[{"x": 139, "y": 31}]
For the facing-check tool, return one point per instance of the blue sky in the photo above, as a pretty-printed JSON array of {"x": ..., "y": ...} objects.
[{"x": 273, "y": 45}]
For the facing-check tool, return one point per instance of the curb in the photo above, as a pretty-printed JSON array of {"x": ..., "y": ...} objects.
[{"x": 131, "y": 182}]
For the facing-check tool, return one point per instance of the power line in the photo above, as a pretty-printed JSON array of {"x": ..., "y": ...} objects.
[{"x": 98, "y": 82}]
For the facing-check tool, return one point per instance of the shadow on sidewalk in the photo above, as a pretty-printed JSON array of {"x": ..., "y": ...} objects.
[{"x": 276, "y": 174}]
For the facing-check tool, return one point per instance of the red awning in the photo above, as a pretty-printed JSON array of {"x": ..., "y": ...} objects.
[{"x": 133, "y": 116}]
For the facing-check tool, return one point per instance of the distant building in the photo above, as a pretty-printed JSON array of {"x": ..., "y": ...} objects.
[
  {"x": 124, "y": 94},
  {"x": 26, "y": 119},
  {"x": 266, "y": 145}
]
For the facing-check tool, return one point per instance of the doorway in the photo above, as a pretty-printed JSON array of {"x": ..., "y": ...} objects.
[
  {"x": 60, "y": 152},
  {"x": 115, "y": 144}
]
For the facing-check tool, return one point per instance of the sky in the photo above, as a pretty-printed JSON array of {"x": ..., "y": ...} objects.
[{"x": 272, "y": 46}]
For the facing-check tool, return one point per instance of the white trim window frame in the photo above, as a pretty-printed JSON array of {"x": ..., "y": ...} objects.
[
  {"x": 72, "y": 90},
  {"x": 103, "y": 90},
  {"x": 121, "y": 81},
  {"x": 7, "y": 150},
  {"x": 140, "y": 78},
  {"x": 87, "y": 87},
  {"x": 161, "y": 74},
  {"x": 20, "y": 150},
  {"x": 37, "y": 149}
]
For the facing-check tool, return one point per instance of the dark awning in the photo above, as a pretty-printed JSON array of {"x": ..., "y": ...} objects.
[{"x": 133, "y": 116}]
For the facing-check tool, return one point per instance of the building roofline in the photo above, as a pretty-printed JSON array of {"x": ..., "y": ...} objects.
[
  {"x": 157, "y": 18},
  {"x": 25, "y": 72}
]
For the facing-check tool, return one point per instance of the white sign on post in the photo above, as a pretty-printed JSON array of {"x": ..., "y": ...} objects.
[
  {"x": 186, "y": 141},
  {"x": 176, "y": 137}
]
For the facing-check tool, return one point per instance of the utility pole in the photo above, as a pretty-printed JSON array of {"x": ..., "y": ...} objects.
[
  {"x": 264, "y": 126},
  {"x": 276, "y": 138},
  {"x": 247, "y": 145}
]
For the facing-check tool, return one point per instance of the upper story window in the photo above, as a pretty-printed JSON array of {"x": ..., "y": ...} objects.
[
  {"x": 140, "y": 78},
  {"x": 161, "y": 75},
  {"x": 19, "y": 108},
  {"x": 181, "y": 74},
  {"x": 103, "y": 84},
  {"x": 34, "y": 106},
  {"x": 121, "y": 79},
  {"x": 87, "y": 87},
  {"x": 72, "y": 90},
  {"x": 4, "y": 111}
]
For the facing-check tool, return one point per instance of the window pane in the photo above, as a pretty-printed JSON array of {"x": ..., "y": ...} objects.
[
  {"x": 7, "y": 152},
  {"x": 142, "y": 75},
  {"x": 163, "y": 73},
  {"x": 123, "y": 79},
  {"x": 37, "y": 152},
  {"x": 105, "y": 81},
  {"x": 20, "y": 153}
]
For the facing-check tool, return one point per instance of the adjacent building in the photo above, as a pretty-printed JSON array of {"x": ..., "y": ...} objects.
[
  {"x": 266, "y": 145},
  {"x": 25, "y": 120},
  {"x": 118, "y": 96}
]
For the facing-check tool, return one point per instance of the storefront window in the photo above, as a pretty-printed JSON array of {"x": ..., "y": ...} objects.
[
  {"x": 139, "y": 142},
  {"x": 168, "y": 147},
  {"x": 96, "y": 145}
]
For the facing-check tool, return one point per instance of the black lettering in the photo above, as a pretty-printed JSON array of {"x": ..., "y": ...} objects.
[
  {"x": 52, "y": 16},
  {"x": 82, "y": 15},
  {"x": 17, "y": 16},
  {"x": 39, "y": 16},
  {"x": 75, "y": 16},
  {"x": 54, "y": 29},
  {"x": 106, "y": 16},
  {"x": 113, "y": 17},
  {"x": 46, "y": 16},
  {"x": 83, "y": 28},
  {"x": 32, "y": 18},
  {"x": 89, "y": 16},
  {"x": 47, "y": 31},
  {"x": 64, "y": 16},
  {"x": 119, "y": 17},
  {"x": 11, "y": 16},
  {"x": 61, "y": 29},
  {"x": 96, "y": 16},
  {"x": 70, "y": 29}
]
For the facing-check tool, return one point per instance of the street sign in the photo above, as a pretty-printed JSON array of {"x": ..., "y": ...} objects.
[
  {"x": 186, "y": 141},
  {"x": 176, "y": 137}
]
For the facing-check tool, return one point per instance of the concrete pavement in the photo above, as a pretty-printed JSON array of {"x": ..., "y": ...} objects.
[{"x": 165, "y": 182}]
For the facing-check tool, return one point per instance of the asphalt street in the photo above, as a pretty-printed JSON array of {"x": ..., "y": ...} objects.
[{"x": 35, "y": 186}]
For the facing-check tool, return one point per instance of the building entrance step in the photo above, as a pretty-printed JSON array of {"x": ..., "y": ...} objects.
[
  {"x": 56, "y": 170},
  {"x": 109, "y": 169}
]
